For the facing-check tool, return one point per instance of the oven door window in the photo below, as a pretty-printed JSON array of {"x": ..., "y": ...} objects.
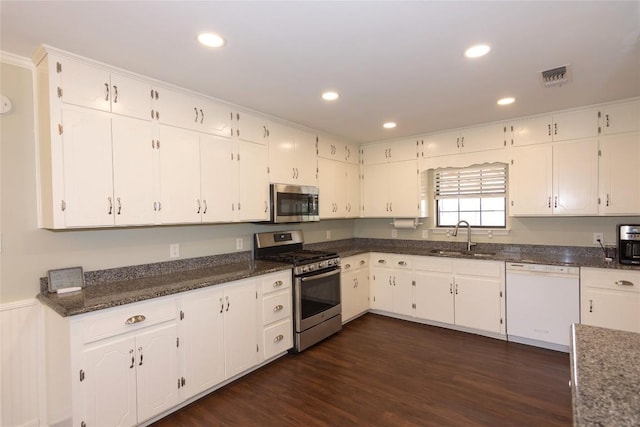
[{"x": 319, "y": 293}]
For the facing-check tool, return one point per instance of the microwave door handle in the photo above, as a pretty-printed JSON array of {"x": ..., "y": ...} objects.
[{"x": 321, "y": 276}]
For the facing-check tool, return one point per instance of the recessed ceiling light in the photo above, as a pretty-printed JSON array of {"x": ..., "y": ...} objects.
[
  {"x": 477, "y": 51},
  {"x": 211, "y": 40},
  {"x": 389, "y": 125},
  {"x": 330, "y": 96},
  {"x": 506, "y": 101}
]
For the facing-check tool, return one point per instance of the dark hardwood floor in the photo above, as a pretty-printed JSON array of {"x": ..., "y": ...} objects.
[{"x": 380, "y": 371}]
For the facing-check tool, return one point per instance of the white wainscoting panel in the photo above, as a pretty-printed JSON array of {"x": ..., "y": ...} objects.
[{"x": 22, "y": 370}]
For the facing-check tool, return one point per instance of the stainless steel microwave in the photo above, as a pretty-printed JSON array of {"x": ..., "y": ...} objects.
[{"x": 294, "y": 203}]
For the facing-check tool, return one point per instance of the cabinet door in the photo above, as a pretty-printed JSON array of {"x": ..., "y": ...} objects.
[
  {"x": 306, "y": 163},
  {"x": 442, "y": 144},
  {"x": 180, "y": 176},
  {"x": 620, "y": 117},
  {"x": 84, "y": 85},
  {"x": 375, "y": 183},
  {"x": 395, "y": 151},
  {"x": 610, "y": 308},
  {"x": 382, "y": 289},
  {"x": 194, "y": 112},
  {"x": 530, "y": 180},
  {"x": 282, "y": 147},
  {"x": 578, "y": 124},
  {"x": 352, "y": 186},
  {"x": 253, "y": 182},
  {"x": 575, "y": 177},
  {"x": 88, "y": 174},
  {"x": 130, "y": 97},
  {"x": 332, "y": 183},
  {"x": 133, "y": 171},
  {"x": 351, "y": 153},
  {"x": 109, "y": 387},
  {"x": 329, "y": 148},
  {"x": 402, "y": 191},
  {"x": 215, "y": 118},
  {"x": 619, "y": 160},
  {"x": 402, "y": 292},
  {"x": 362, "y": 291},
  {"x": 252, "y": 128},
  {"x": 218, "y": 182},
  {"x": 477, "y": 303},
  {"x": 533, "y": 130},
  {"x": 483, "y": 138},
  {"x": 203, "y": 342},
  {"x": 157, "y": 370},
  {"x": 434, "y": 296},
  {"x": 240, "y": 327},
  {"x": 349, "y": 294}
]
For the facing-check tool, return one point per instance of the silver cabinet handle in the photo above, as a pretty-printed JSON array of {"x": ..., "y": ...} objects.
[
  {"x": 624, "y": 283},
  {"x": 362, "y": 262},
  {"x": 590, "y": 306},
  {"x": 278, "y": 283},
  {"x": 221, "y": 305},
  {"x": 549, "y": 202},
  {"x": 133, "y": 359},
  {"x": 402, "y": 263},
  {"x": 106, "y": 91},
  {"x": 382, "y": 261},
  {"x": 228, "y": 303},
  {"x": 119, "y": 205},
  {"x": 277, "y": 308},
  {"x": 555, "y": 128},
  {"x": 205, "y": 206},
  {"x": 549, "y": 128},
  {"x": 110, "y": 205},
  {"x": 199, "y": 206},
  {"x": 451, "y": 288},
  {"x": 201, "y": 116},
  {"x": 278, "y": 338},
  {"x": 141, "y": 356},
  {"x": 115, "y": 94},
  {"x": 607, "y": 199},
  {"x": 135, "y": 319},
  {"x": 555, "y": 202},
  {"x": 196, "y": 110}
]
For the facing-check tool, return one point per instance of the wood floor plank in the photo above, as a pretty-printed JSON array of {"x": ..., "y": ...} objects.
[{"x": 380, "y": 371}]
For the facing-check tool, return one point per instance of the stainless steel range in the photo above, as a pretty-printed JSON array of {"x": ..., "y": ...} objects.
[{"x": 316, "y": 278}]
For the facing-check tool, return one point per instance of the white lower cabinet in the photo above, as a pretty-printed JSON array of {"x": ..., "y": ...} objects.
[
  {"x": 392, "y": 283},
  {"x": 466, "y": 293},
  {"x": 125, "y": 365},
  {"x": 610, "y": 298},
  {"x": 354, "y": 286}
]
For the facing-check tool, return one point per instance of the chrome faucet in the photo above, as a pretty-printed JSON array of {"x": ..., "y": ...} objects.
[{"x": 455, "y": 233}]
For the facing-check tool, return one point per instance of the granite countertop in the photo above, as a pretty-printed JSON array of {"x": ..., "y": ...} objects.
[
  {"x": 120, "y": 292},
  {"x": 532, "y": 254},
  {"x": 605, "y": 376}
]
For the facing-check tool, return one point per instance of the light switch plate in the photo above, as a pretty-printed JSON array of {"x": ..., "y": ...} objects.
[
  {"x": 239, "y": 244},
  {"x": 174, "y": 250},
  {"x": 394, "y": 233}
]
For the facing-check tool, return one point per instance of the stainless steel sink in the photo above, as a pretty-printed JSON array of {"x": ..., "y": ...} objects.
[{"x": 463, "y": 253}]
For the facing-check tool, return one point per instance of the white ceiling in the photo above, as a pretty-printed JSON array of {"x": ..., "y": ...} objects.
[{"x": 390, "y": 60}]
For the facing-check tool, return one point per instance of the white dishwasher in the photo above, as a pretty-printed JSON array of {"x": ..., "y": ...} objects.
[{"x": 542, "y": 303}]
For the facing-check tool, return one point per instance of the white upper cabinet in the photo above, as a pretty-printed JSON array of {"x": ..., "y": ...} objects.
[
  {"x": 194, "y": 112},
  {"x": 467, "y": 140},
  {"x": 218, "y": 178},
  {"x": 554, "y": 179},
  {"x": 292, "y": 155},
  {"x": 619, "y": 166},
  {"x": 620, "y": 117},
  {"x": 252, "y": 128},
  {"x": 388, "y": 152},
  {"x": 92, "y": 87},
  {"x": 562, "y": 126},
  {"x": 329, "y": 148},
  {"x": 253, "y": 181},
  {"x": 386, "y": 197}
]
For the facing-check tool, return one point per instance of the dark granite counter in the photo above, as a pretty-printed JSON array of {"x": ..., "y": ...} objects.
[
  {"x": 97, "y": 296},
  {"x": 605, "y": 377},
  {"x": 575, "y": 256}
]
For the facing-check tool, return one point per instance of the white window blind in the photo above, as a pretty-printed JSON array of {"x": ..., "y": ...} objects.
[
  {"x": 471, "y": 182},
  {"x": 475, "y": 194}
]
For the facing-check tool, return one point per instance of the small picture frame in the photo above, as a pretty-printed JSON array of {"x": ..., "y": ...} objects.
[{"x": 72, "y": 277}]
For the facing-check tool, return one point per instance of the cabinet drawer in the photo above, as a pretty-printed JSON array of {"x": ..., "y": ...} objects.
[
  {"x": 275, "y": 282},
  {"x": 354, "y": 263},
  {"x": 276, "y": 307},
  {"x": 391, "y": 261},
  {"x": 277, "y": 338},
  {"x": 120, "y": 320},
  {"x": 623, "y": 280},
  {"x": 478, "y": 268},
  {"x": 431, "y": 263}
]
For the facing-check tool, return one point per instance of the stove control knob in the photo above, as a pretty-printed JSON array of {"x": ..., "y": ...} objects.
[
  {"x": 310, "y": 267},
  {"x": 305, "y": 268}
]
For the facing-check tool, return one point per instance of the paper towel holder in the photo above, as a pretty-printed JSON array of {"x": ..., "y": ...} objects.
[{"x": 406, "y": 223}]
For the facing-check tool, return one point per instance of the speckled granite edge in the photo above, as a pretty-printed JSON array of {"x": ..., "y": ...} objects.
[
  {"x": 605, "y": 375},
  {"x": 578, "y": 256}
]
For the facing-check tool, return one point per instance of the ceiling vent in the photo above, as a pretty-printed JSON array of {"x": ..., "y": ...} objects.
[{"x": 555, "y": 76}]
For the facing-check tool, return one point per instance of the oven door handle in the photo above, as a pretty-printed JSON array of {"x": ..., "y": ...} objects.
[{"x": 321, "y": 276}]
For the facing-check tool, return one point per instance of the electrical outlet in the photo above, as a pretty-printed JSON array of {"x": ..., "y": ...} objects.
[
  {"x": 394, "y": 233},
  {"x": 596, "y": 237},
  {"x": 174, "y": 250},
  {"x": 328, "y": 234},
  {"x": 239, "y": 244}
]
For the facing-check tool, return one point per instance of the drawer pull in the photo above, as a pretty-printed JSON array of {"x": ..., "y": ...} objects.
[
  {"x": 347, "y": 266},
  {"x": 624, "y": 283},
  {"x": 278, "y": 338},
  {"x": 135, "y": 319},
  {"x": 278, "y": 307},
  {"x": 278, "y": 283},
  {"x": 402, "y": 263},
  {"x": 362, "y": 262},
  {"x": 382, "y": 261}
]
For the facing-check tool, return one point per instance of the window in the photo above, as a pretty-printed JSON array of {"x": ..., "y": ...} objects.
[{"x": 475, "y": 194}]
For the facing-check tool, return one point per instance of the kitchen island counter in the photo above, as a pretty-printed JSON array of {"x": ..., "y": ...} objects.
[{"x": 605, "y": 376}]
